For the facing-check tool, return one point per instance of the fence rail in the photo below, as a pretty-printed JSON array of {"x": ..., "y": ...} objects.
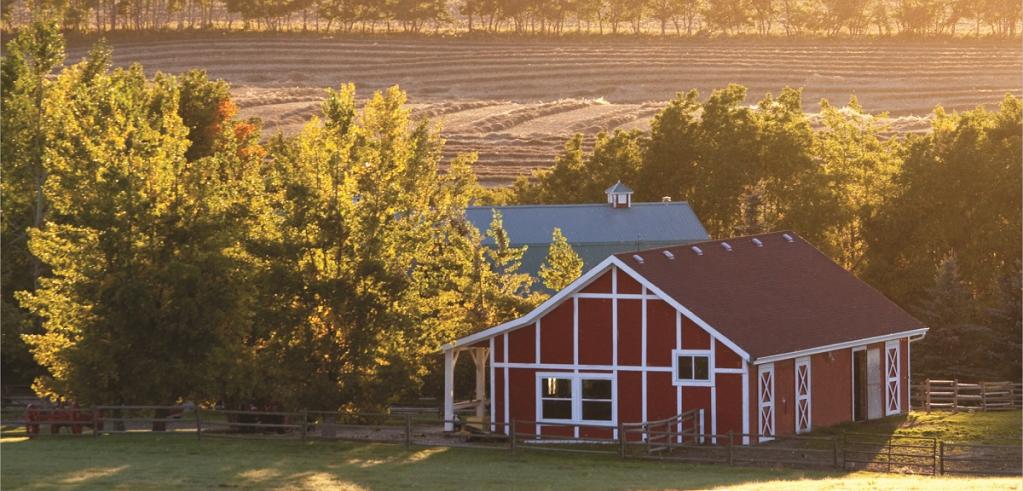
[
  {"x": 682, "y": 438},
  {"x": 954, "y": 395}
]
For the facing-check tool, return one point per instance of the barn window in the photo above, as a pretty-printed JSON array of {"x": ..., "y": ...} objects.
[
  {"x": 693, "y": 367},
  {"x": 577, "y": 398}
]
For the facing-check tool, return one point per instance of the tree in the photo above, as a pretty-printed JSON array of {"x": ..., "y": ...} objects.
[
  {"x": 31, "y": 58},
  {"x": 957, "y": 344},
  {"x": 562, "y": 265}
]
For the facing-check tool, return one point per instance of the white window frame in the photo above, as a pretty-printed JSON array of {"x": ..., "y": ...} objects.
[
  {"x": 808, "y": 396},
  {"x": 709, "y": 353},
  {"x": 577, "y": 398},
  {"x": 893, "y": 378}
]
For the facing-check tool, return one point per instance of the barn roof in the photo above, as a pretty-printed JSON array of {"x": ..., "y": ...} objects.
[
  {"x": 771, "y": 294},
  {"x": 595, "y": 231}
]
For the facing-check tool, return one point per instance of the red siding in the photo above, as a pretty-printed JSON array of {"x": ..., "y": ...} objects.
[
  {"x": 831, "y": 388},
  {"x": 600, "y": 285},
  {"x": 724, "y": 357},
  {"x": 698, "y": 398},
  {"x": 626, "y": 284},
  {"x": 630, "y": 329},
  {"x": 522, "y": 389},
  {"x": 499, "y": 349},
  {"x": 522, "y": 345},
  {"x": 595, "y": 338},
  {"x": 729, "y": 405},
  {"x": 661, "y": 396},
  {"x": 497, "y": 405},
  {"x": 660, "y": 333},
  {"x": 630, "y": 396},
  {"x": 693, "y": 336},
  {"x": 556, "y": 335}
]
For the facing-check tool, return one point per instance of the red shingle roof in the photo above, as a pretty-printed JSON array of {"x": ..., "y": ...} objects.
[{"x": 772, "y": 299}]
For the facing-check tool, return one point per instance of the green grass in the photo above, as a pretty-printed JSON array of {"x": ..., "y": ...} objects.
[
  {"x": 996, "y": 427},
  {"x": 148, "y": 461}
]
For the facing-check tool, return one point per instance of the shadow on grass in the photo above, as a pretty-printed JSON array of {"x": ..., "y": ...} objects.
[{"x": 148, "y": 461}]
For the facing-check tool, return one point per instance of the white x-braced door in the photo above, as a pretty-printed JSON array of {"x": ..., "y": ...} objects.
[
  {"x": 803, "y": 401},
  {"x": 765, "y": 378},
  {"x": 893, "y": 389}
]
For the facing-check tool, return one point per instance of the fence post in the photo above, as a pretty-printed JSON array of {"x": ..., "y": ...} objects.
[
  {"x": 927, "y": 395},
  {"x": 198, "y": 423},
  {"x": 731, "y": 455},
  {"x": 834, "y": 452},
  {"x": 889, "y": 454},
  {"x": 934, "y": 457},
  {"x": 941, "y": 458},
  {"x": 621, "y": 440},
  {"x": 408, "y": 431},
  {"x": 845, "y": 460},
  {"x": 955, "y": 395},
  {"x": 95, "y": 422},
  {"x": 511, "y": 436},
  {"x": 305, "y": 423},
  {"x": 983, "y": 396}
]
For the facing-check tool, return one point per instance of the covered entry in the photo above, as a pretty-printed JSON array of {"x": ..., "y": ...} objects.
[{"x": 480, "y": 402}]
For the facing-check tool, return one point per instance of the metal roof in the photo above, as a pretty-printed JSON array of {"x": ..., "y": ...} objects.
[
  {"x": 594, "y": 230},
  {"x": 618, "y": 187}
]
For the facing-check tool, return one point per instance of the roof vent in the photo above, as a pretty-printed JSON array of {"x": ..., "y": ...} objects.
[
  {"x": 668, "y": 254},
  {"x": 697, "y": 250},
  {"x": 788, "y": 238},
  {"x": 665, "y": 199},
  {"x": 638, "y": 258},
  {"x": 757, "y": 242},
  {"x": 727, "y": 246}
]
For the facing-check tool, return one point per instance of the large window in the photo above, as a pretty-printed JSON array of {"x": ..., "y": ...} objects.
[
  {"x": 693, "y": 367},
  {"x": 580, "y": 398}
]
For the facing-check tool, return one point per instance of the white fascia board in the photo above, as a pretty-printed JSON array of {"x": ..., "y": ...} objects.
[
  {"x": 837, "y": 346},
  {"x": 678, "y": 306},
  {"x": 538, "y": 312}
]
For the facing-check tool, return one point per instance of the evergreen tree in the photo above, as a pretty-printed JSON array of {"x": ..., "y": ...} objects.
[
  {"x": 957, "y": 345},
  {"x": 562, "y": 265}
]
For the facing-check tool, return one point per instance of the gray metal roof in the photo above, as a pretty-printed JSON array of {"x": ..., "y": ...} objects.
[
  {"x": 595, "y": 230},
  {"x": 618, "y": 187}
]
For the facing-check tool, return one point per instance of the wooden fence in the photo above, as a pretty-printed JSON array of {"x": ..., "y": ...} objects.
[
  {"x": 953, "y": 395},
  {"x": 683, "y": 438}
]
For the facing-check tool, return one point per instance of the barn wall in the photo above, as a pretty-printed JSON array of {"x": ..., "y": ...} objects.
[{"x": 831, "y": 388}]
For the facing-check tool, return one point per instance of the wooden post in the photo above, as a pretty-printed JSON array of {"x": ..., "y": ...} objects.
[
  {"x": 198, "y": 423},
  {"x": 983, "y": 396},
  {"x": 731, "y": 456},
  {"x": 305, "y": 423},
  {"x": 927, "y": 395},
  {"x": 889, "y": 454},
  {"x": 934, "y": 457},
  {"x": 834, "y": 452},
  {"x": 449, "y": 389},
  {"x": 621, "y": 440},
  {"x": 955, "y": 395},
  {"x": 941, "y": 458},
  {"x": 95, "y": 422},
  {"x": 511, "y": 436},
  {"x": 845, "y": 459},
  {"x": 408, "y": 431}
]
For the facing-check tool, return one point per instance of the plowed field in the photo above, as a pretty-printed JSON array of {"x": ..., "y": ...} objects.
[{"x": 516, "y": 102}]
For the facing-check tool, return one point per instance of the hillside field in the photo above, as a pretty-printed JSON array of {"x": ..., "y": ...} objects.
[{"x": 515, "y": 101}]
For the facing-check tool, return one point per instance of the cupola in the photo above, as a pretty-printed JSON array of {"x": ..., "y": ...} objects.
[{"x": 619, "y": 195}]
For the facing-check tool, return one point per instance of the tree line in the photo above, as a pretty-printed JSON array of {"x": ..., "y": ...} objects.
[
  {"x": 932, "y": 220},
  {"x": 664, "y": 17},
  {"x": 156, "y": 248}
]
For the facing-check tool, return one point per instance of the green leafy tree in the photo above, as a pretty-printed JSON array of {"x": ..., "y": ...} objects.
[
  {"x": 31, "y": 57},
  {"x": 562, "y": 265}
]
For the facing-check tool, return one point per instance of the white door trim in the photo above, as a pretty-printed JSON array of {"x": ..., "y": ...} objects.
[
  {"x": 765, "y": 389},
  {"x": 804, "y": 400}
]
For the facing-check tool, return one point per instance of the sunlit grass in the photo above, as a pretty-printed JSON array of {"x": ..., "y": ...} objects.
[
  {"x": 148, "y": 461},
  {"x": 979, "y": 427}
]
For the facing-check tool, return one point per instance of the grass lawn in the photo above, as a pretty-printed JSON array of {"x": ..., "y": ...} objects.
[
  {"x": 995, "y": 427},
  {"x": 148, "y": 461}
]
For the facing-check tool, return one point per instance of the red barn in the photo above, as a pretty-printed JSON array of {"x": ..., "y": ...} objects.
[{"x": 764, "y": 333}]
